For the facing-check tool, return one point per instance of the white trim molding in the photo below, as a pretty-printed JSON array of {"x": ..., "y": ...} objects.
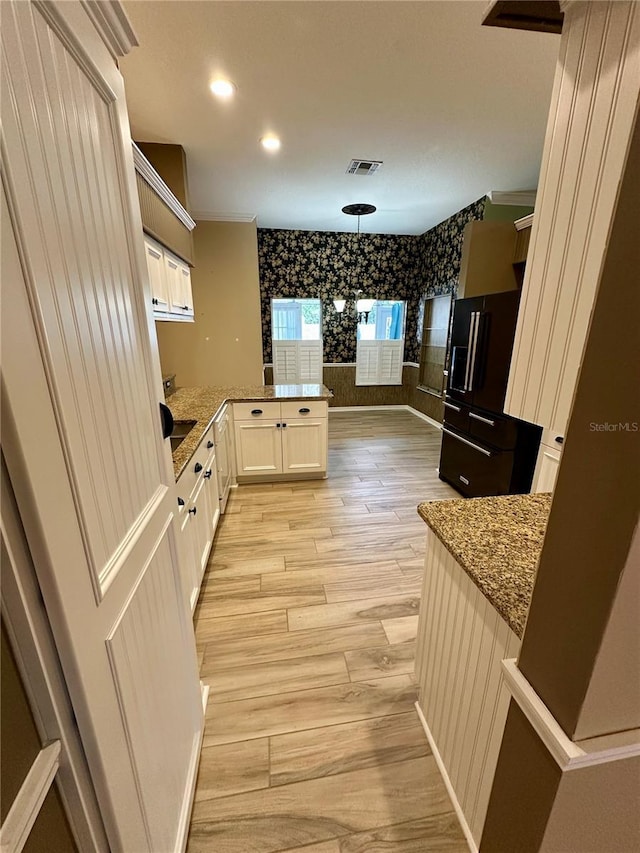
[
  {"x": 447, "y": 782},
  {"x": 518, "y": 198},
  {"x": 149, "y": 174},
  {"x": 29, "y": 799},
  {"x": 113, "y": 26},
  {"x": 212, "y": 216},
  {"x": 567, "y": 754},
  {"x": 524, "y": 222},
  {"x": 429, "y": 420}
]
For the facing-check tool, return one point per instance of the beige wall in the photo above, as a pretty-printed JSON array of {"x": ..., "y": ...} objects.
[{"x": 224, "y": 344}]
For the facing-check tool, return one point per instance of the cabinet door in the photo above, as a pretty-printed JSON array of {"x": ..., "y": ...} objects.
[
  {"x": 201, "y": 531},
  {"x": 179, "y": 278},
  {"x": 223, "y": 459},
  {"x": 157, "y": 276},
  {"x": 258, "y": 447},
  {"x": 189, "y": 560},
  {"x": 491, "y": 355},
  {"x": 213, "y": 495},
  {"x": 304, "y": 445}
]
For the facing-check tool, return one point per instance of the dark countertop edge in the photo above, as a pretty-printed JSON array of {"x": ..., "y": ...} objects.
[{"x": 178, "y": 470}]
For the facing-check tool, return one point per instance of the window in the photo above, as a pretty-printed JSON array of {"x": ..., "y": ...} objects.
[
  {"x": 296, "y": 341},
  {"x": 380, "y": 349},
  {"x": 433, "y": 352}
]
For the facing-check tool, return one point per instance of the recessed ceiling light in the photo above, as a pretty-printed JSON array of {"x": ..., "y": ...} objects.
[
  {"x": 270, "y": 142},
  {"x": 223, "y": 88}
]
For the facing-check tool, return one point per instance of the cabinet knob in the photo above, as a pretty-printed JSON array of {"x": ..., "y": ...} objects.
[
  {"x": 256, "y": 411},
  {"x": 154, "y": 301},
  {"x": 197, "y": 467},
  {"x": 207, "y": 474},
  {"x": 180, "y": 502},
  {"x": 284, "y": 426},
  {"x": 209, "y": 445},
  {"x": 185, "y": 307},
  {"x": 193, "y": 510},
  {"x": 304, "y": 411},
  {"x": 559, "y": 439}
]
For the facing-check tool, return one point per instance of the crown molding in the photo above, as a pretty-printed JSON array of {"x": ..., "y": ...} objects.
[
  {"x": 524, "y": 222},
  {"x": 522, "y": 198},
  {"x": 113, "y": 25},
  {"x": 149, "y": 174},
  {"x": 212, "y": 216}
]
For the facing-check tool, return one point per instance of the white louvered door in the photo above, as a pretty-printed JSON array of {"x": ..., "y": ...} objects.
[
  {"x": 310, "y": 362},
  {"x": 379, "y": 362},
  {"x": 81, "y": 430},
  {"x": 367, "y": 361}
]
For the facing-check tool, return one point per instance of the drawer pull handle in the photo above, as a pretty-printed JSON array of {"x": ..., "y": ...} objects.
[
  {"x": 559, "y": 439},
  {"x": 469, "y": 443},
  {"x": 256, "y": 411},
  {"x": 463, "y": 479},
  {"x": 193, "y": 510},
  {"x": 207, "y": 474},
  {"x": 284, "y": 426},
  {"x": 481, "y": 419},
  {"x": 304, "y": 411},
  {"x": 180, "y": 502},
  {"x": 209, "y": 445},
  {"x": 197, "y": 468},
  {"x": 451, "y": 406},
  {"x": 278, "y": 426}
]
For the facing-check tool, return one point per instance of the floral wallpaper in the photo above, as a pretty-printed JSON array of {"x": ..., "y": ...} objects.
[
  {"x": 438, "y": 266},
  {"x": 332, "y": 265},
  {"x": 329, "y": 264}
]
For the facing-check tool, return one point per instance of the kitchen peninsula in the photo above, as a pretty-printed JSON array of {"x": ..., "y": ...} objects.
[{"x": 480, "y": 567}]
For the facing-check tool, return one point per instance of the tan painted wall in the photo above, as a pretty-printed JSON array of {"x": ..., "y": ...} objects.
[{"x": 224, "y": 345}]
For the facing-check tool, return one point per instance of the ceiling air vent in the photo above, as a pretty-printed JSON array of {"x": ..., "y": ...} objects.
[{"x": 363, "y": 167}]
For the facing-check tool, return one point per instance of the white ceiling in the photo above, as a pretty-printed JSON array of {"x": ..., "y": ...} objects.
[{"x": 454, "y": 109}]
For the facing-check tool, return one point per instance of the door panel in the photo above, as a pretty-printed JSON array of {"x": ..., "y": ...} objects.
[
  {"x": 91, "y": 473},
  {"x": 304, "y": 446},
  {"x": 259, "y": 448},
  {"x": 494, "y": 348}
]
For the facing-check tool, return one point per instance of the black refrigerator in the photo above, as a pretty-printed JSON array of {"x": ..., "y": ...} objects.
[{"x": 484, "y": 452}]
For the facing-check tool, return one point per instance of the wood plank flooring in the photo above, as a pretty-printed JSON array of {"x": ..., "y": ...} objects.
[{"x": 306, "y": 630}]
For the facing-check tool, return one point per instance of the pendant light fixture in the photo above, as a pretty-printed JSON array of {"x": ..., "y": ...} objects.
[{"x": 363, "y": 306}]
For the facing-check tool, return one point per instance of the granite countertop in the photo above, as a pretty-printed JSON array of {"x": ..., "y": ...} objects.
[
  {"x": 203, "y": 404},
  {"x": 497, "y": 541}
]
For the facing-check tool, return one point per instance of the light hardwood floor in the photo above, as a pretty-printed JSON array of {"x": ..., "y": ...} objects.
[{"x": 306, "y": 630}]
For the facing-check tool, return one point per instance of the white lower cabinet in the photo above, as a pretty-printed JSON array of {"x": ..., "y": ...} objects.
[
  {"x": 281, "y": 439},
  {"x": 198, "y": 513},
  {"x": 549, "y": 453},
  {"x": 223, "y": 437}
]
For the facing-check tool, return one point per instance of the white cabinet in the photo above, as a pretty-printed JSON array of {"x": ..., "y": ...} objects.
[
  {"x": 198, "y": 514},
  {"x": 223, "y": 436},
  {"x": 170, "y": 280},
  {"x": 544, "y": 478},
  {"x": 281, "y": 440}
]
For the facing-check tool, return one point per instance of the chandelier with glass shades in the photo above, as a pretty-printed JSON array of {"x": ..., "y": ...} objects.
[{"x": 362, "y": 305}]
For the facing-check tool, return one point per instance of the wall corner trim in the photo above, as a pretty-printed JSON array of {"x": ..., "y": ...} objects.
[
  {"x": 111, "y": 21},
  {"x": 447, "y": 782},
  {"x": 567, "y": 754}
]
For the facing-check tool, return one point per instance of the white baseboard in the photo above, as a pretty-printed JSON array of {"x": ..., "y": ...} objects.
[
  {"x": 424, "y": 417},
  {"x": 447, "y": 782},
  {"x": 398, "y": 408}
]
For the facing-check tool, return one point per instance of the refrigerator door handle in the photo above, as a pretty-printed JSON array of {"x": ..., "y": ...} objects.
[
  {"x": 472, "y": 321},
  {"x": 467, "y": 442},
  {"x": 473, "y": 350}
]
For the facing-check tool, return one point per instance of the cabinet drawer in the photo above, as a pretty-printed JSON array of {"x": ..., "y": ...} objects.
[
  {"x": 304, "y": 409},
  {"x": 195, "y": 466},
  {"x": 494, "y": 430},
  {"x": 472, "y": 469},
  {"x": 255, "y": 411},
  {"x": 456, "y": 414}
]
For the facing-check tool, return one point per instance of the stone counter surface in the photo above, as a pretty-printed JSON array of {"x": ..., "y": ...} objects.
[
  {"x": 497, "y": 541},
  {"x": 203, "y": 404}
]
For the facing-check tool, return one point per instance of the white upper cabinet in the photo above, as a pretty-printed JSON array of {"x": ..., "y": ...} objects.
[
  {"x": 170, "y": 280},
  {"x": 593, "y": 107}
]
